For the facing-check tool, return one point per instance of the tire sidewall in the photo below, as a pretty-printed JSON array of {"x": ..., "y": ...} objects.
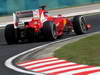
[
  {"x": 53, "y": 29},
  {"x": 82, "y": 24},
  {"x": 79, "y": 24},
  {"x": 49, "y": 30},
  {"x": 10, "y": 34}
]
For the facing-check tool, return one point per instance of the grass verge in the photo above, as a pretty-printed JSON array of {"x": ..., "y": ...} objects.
[{"x": 84, "y": 51}]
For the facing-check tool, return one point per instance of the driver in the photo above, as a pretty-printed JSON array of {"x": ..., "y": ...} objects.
[{"x": 42, "y": 9}]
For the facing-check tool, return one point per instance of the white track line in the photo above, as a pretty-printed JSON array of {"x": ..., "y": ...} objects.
[
  {"x": 44, "y": 64},
  {"x": 8, "y": 63},
  {"x": 32, "y": 62},
  {"x": 96, "y": 73},
  {"x": 64, "y": 68},
  {"x": 58, "y": 65},
  {"x": 78, "y": 71}
]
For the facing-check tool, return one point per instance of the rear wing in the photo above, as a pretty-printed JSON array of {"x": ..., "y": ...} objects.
[
  {"x": 29, "y": 14},
  {"x": 21, "y": 16}
]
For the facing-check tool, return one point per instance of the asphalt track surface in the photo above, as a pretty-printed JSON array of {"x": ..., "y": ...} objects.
[{"x": 7, "y": 51}]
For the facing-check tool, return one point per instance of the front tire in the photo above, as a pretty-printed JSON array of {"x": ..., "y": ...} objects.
[
  {"x": 49, "y": 30},
  {"x": 10, "y": 34},
  {"x": 79, "y": 25}
]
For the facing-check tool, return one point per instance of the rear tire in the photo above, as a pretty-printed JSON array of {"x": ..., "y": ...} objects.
[
  {"x": 79, "y": 25},
  {"x": 10, "y": 34},
  {"x": 49, "y": 30}
]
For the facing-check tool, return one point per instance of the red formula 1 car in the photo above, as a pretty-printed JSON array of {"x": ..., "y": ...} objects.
[{"x": 41, "y": 24}]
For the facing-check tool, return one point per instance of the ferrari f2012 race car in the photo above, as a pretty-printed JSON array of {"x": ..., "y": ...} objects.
[{"x": 41, "y": 24}]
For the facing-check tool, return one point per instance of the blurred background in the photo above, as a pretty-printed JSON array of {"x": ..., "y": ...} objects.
[{"x": 10, "y": 6}]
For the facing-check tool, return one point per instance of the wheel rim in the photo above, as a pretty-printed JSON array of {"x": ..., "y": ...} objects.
[{"x": 82, "y": 24}]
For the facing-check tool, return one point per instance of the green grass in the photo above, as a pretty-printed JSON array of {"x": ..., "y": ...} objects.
[{"x": 84, "y": 51}]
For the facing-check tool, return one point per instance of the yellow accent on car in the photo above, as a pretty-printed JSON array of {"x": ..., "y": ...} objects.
[{"x": 65, "y": 21}]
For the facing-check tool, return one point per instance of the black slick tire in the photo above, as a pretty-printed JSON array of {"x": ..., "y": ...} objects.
[
  {"x": 79, "y": 25},
  {"x": 49, "y": 30},
  {"x": 10, "y": 34}
]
